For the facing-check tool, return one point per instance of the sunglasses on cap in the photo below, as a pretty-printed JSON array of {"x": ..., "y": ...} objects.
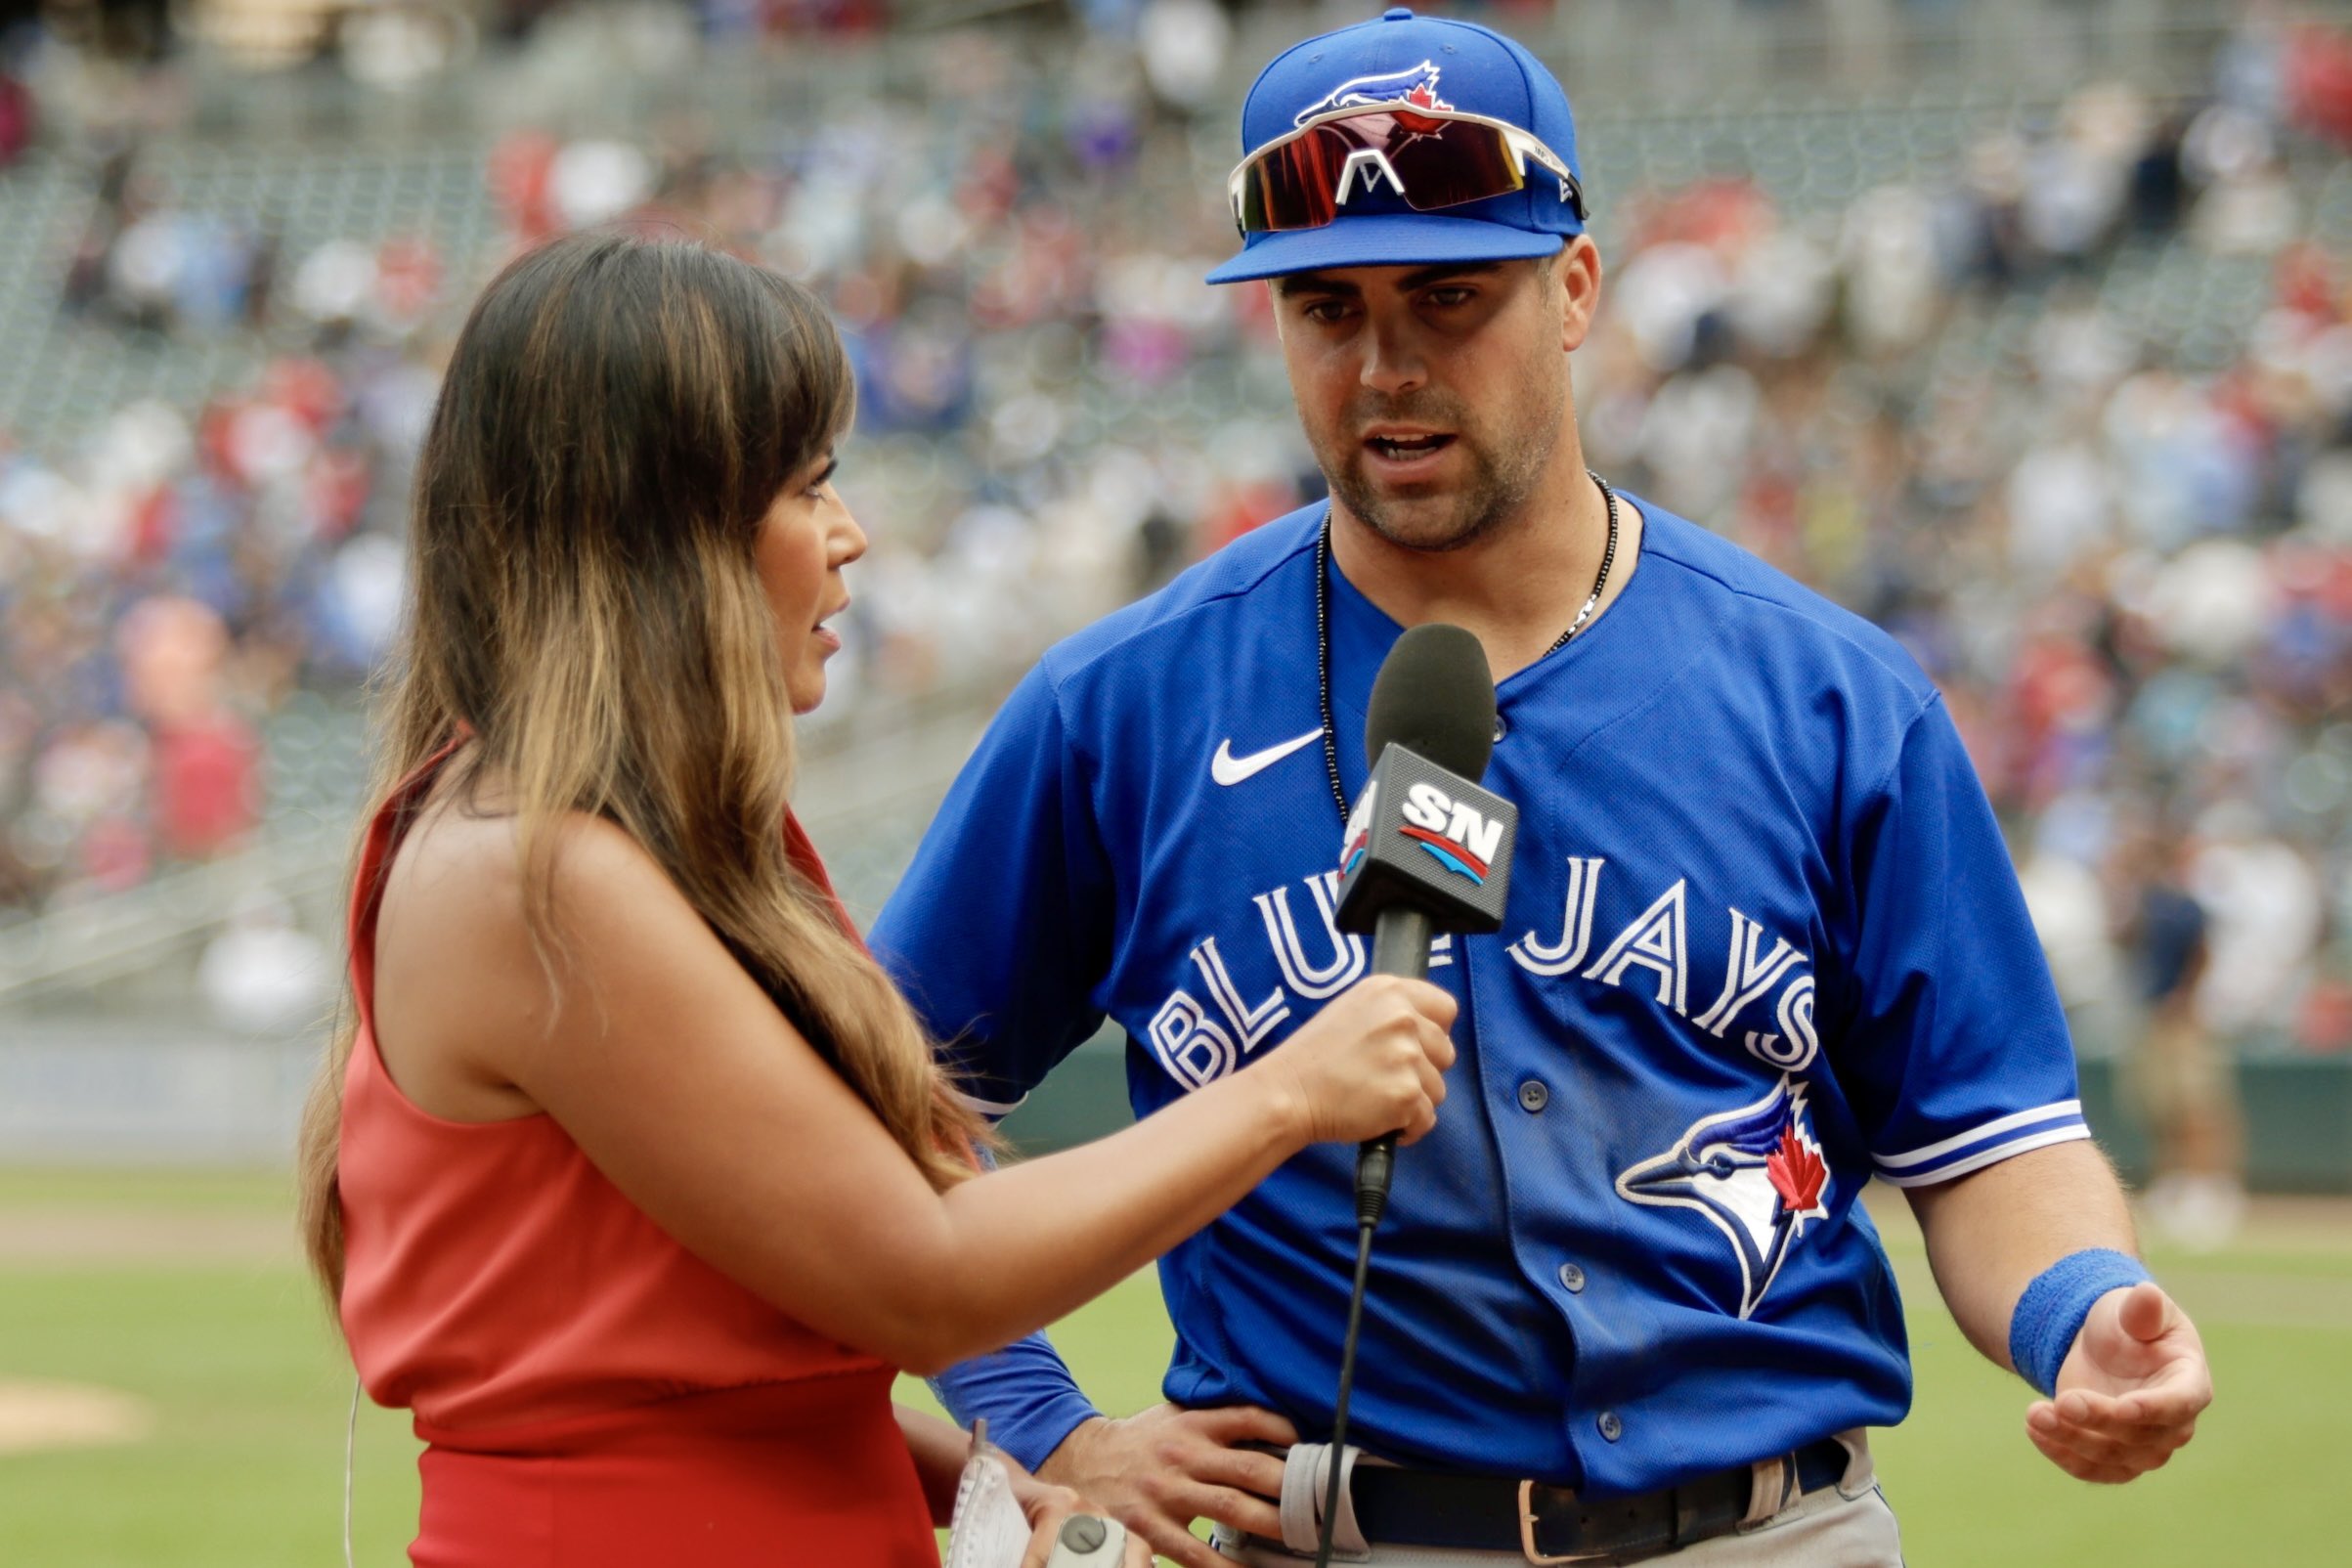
[{"x": 1434, "y": 159}]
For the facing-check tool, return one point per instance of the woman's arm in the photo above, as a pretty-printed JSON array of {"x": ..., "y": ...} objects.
[
  {"x": 687, "y": 1088},
  {"x": 940, "y": 1449}
]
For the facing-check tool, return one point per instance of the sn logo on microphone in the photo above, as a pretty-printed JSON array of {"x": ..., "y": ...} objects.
[{"x": 1456, "y": 832}]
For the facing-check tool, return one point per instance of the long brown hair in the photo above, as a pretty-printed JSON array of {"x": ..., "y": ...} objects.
[{"x": 617, "y": 417}]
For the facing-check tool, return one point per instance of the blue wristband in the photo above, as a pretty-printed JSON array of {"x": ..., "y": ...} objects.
[{"x": 2050, "y": 1313}]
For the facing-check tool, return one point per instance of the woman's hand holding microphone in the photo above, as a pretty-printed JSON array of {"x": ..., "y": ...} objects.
[{"x": 1372, "y": 1062}]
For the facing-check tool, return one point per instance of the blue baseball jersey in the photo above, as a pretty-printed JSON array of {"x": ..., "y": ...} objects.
[{"x": 1763, "y": 941}]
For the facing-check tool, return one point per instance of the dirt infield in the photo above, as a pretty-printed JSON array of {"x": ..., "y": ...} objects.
[
  {"x": 83, "y": 1237},
  {"x": 42, "y": 1237},
  {"x": 37, "y": 1416}
]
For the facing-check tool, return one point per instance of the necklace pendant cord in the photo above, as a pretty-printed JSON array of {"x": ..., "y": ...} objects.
[
  {"x": 1322, "y": 631},
  {"x": 1600, "y": 578}
]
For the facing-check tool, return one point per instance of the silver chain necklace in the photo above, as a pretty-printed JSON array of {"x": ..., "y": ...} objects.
[{"x": 1322, "y": 631}]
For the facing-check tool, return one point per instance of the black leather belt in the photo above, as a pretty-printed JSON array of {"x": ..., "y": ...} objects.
[{"x": 1550, "y": 1524}]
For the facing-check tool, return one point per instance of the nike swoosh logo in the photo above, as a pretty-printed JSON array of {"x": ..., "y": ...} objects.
[{"x": 1227, "y": 769}]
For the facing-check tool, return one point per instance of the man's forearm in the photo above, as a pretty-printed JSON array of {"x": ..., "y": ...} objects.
[{"x": 1991, "y": 1231}]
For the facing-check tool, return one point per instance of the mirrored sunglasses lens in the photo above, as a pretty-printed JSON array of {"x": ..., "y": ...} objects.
[
  {"x": 1442, "y": 164},
  {"x": 1294, "y": 186},
  {"x": 1456, "y": 164}
]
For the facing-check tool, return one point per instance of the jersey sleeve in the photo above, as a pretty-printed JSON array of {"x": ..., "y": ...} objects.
[
  {"x": 1030, "y": 1399},
  {"x": 1954, "y": 1053},
  {"x": 999, "y": 932}
]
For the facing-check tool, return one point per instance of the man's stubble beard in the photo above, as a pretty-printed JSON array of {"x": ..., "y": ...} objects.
[{"x": 1494, "y": 496}]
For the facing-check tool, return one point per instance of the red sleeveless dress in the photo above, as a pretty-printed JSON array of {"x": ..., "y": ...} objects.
[{"x": 592, "y": 1394}]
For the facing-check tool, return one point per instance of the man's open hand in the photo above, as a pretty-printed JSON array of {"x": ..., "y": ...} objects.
[
  {"x": 2130, "y": 1390},
  {"x": 1161, "y": 1468}
]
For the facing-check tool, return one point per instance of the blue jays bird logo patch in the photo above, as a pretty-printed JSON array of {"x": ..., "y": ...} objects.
[{"x": 1756, "y": 1173}]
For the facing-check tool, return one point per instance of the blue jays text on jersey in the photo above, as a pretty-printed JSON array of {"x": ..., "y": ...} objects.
[
  {"x": 1197, "y": 1042},
  {"x": 1762, "y": 942}
]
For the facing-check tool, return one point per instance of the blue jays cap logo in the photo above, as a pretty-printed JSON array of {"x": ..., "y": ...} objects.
[
  {"x": 1414, "y": 87},
  {"x": 1756, "y": 1173}
]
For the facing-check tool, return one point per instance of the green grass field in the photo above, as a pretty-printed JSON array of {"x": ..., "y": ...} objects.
[{"x": 184, "y": 1293}]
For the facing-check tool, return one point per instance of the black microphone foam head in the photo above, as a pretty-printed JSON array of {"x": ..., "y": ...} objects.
[{"x": 1435, "y": 697}]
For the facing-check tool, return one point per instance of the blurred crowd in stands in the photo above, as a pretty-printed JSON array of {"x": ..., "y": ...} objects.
[
  {"x": 2121, "y": 543},
  {"x": 2118, "y": 533},
  {"x": 2128, "y": 564}
]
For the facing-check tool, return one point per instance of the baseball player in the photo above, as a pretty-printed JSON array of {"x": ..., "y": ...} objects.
[{"x": 1763, "y": 942}]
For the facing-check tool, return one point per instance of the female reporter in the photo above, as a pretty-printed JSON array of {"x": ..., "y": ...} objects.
[{"x": 630, "y": 1174}]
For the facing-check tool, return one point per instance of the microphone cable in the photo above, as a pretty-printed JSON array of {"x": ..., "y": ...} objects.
[{"x": 1373, "y": 1162}]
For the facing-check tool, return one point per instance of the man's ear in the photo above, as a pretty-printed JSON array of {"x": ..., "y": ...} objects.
[{"x": 1574, "y": 276}]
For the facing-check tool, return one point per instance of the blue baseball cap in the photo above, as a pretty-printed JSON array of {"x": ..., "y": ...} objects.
[{"x": 1445, "y": 65}]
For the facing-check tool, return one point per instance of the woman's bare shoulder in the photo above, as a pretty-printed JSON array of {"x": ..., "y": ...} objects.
[
  {"x": 461, "y": 986},
  {"x": 459, "y": 872}
]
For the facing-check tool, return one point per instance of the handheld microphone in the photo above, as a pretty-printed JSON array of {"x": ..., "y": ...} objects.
[{"x": 1427, "y": 849}]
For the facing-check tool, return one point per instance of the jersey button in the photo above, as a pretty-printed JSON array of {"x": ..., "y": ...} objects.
[
  {"x": 1610, "y": 1426},
  {"x": 1572, "y": 1277},
  {"x": 1532, "y": 1097},
  {"x": 1502, "y": 727}
]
